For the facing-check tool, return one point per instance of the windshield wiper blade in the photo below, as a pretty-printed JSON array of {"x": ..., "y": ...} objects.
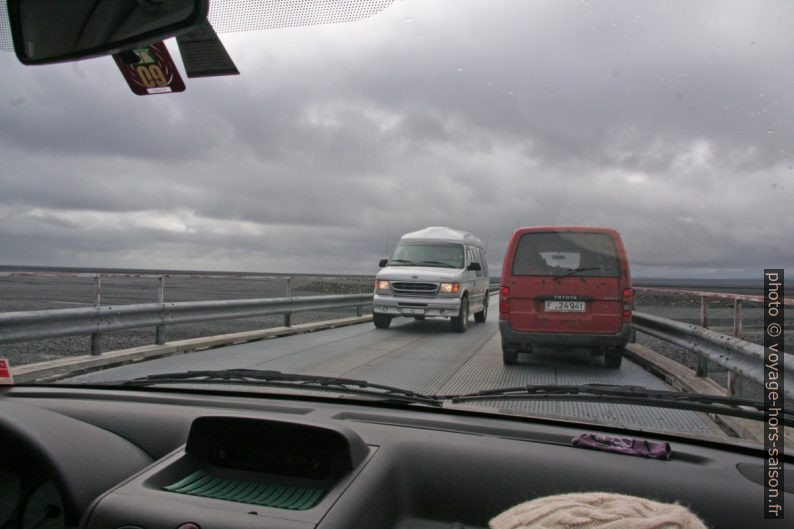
[
  {"x": 259, "y": 377},
  {"x": 628, "y": 395},
  {"x": 576, "y": 271},
  {"x": 410, "y": 263}
]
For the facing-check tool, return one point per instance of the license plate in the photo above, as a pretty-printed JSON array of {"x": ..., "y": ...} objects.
[
  {"x": 413, "y": 311},
  {"x": 565, "y": 306}
]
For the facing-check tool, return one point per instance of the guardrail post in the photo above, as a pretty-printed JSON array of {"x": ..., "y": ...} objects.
[
  {"x": 96, "y": 338},
  {"x": 159, "y": 331},
  {"x": 702, "y": 363},
  {"x": 733, "y": 380},
  {"x": 288, "y": 314},
  {"x": 737, "y": 318},
  {"x": 359, "y": 308}
]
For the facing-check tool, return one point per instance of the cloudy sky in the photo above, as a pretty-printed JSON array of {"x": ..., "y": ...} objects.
[{"x": 670, "y": 121}]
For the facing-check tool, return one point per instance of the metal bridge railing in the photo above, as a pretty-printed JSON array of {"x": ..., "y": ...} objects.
[
  {"x": 106, "y": 322},
  {"x": 701, "y": 369},
  {"x": 738, "y": 356},
  {"x": 40, "y": 324}
]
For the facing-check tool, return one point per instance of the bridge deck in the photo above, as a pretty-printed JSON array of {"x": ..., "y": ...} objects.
[{"x": 425, "y": 356}]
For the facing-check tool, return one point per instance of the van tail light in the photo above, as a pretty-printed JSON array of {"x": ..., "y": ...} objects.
[
  {"x": 504, "y": 302},
  {"x": 628, "y": 304}
]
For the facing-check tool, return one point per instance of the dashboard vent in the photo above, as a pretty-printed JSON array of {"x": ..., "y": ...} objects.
[{"x": 292, "y": 497}]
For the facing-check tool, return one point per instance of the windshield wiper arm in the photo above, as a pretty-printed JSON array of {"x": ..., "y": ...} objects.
[
  {"x": 410, "y": 263},
  {"x": 447, "y": 265},
  {"x": 628, "y": 395},
  {"x": 285, "y": 380},
  {"x": 576, "y": 271}
]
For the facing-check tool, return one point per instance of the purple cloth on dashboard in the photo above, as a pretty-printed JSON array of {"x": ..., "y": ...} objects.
[{"x": 624, "y": 445}]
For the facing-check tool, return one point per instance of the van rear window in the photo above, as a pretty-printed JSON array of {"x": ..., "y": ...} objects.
[{"x": 550, "y": 253}]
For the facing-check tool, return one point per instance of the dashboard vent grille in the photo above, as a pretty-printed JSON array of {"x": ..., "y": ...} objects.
[{"x": 292, "y": 497}]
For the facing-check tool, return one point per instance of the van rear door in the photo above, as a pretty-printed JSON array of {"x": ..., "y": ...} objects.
[{"x": 566, "y": 282}]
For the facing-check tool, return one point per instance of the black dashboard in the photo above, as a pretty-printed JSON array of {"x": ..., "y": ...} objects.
[{"x": 107, "y": 459}]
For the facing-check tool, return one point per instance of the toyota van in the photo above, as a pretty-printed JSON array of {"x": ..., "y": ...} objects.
[{"x": 563, "y": 287}]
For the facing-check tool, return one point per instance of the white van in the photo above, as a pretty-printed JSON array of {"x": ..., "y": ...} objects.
[{"x": 434, "y": 272}]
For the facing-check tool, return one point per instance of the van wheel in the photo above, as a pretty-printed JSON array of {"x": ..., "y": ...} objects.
[
  {"x": 509, "y": 353},
  {"x": 461, "y": 322},
  {"x": 381, "y": 321},
  {"x": 480, "y": 317},
  {"x": 613, "y": 356}
]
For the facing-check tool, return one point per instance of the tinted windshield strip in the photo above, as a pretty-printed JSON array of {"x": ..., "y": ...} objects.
[{"x": 445, "y": 255}]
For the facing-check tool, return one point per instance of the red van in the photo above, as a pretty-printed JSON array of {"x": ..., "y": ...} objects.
[{"x": 562, "y": 287}]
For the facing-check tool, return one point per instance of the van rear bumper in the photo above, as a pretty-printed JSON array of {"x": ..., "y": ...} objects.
[
  {"x": 562, "y": 339},
  {"x": 416, "y": 306}
]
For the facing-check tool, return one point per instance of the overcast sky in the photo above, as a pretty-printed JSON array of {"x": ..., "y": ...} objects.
[{"x": 670, "y": 121}]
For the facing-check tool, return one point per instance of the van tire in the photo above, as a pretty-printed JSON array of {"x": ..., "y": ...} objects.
[
  {"x": 381, "y": 321},
  {"x": 613, "y": 356},
  {"x": 481, "y": 316},
  {"x": 509, "y": 354},
  {"x": 461, "y": 321}
]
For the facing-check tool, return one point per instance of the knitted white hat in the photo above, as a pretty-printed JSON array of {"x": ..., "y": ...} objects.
[{"x": 596, "y": 510}]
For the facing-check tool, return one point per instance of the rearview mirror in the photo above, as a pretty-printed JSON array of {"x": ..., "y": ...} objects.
[
  {"x": 474, "y": 267},
  {"x": 382, "y": 262},
  {"x": 48, "y": 31}
]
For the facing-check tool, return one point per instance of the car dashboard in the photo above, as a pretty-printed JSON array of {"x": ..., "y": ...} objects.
[{"x": 155, "y": 458}]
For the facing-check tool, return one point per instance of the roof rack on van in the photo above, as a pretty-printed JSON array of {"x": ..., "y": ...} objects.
[{"x": 442, "y": 234}]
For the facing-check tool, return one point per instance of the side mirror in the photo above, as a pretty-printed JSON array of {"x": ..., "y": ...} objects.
[
  {"x": 474, "y": 267},
  {"x": 382, "y": 262},
  {"x": 49, "y": 32}
]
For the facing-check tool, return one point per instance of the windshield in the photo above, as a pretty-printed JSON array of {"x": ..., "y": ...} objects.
[
  {"x": 619, "y": 175},
  {"x": 443, "y": 255}
]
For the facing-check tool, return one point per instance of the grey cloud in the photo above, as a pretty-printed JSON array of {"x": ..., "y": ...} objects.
[{"x": 652, "y": 118}]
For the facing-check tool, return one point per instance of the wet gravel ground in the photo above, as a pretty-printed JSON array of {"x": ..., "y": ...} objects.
[{"x": 41, "y": 293}]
